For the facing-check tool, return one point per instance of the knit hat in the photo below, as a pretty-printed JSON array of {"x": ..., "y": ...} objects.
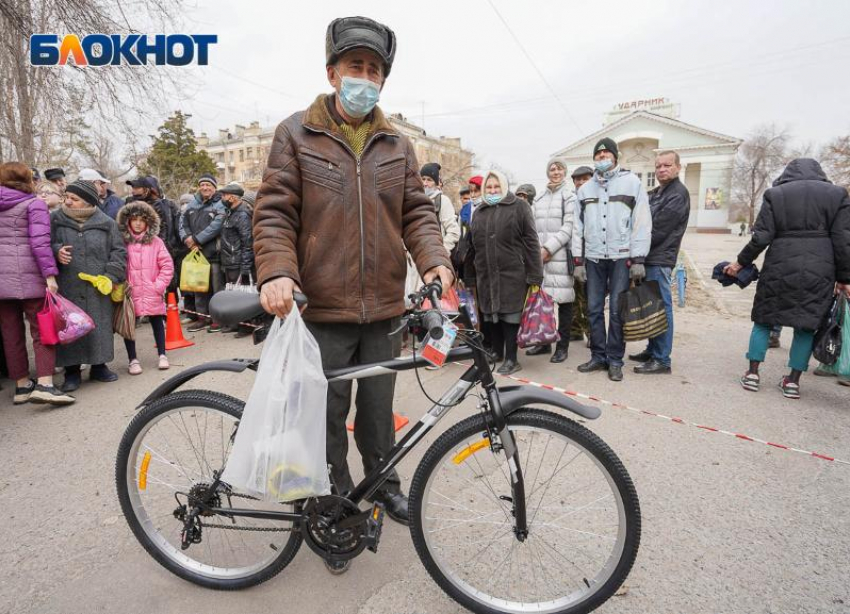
[
  {"x": 85, "y": 190},
  {"x": 432, "y": 170},
  {"x": 528, "y": 190},
  {"x": 209, "y": 179},
  {"x": 582, "y": 171},
  {"x": 233, "y": 188},
  {"x": 53, "y": 173},
  {"x": 477, "y": 180},
  {"x": 607, "y": 144},
  {"x": 250, "y": 198},
  {"x": 186, "y": 198},
  {"x": 557, "y": 161}
]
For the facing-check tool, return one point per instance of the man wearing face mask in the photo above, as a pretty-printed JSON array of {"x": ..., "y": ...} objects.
[
  {"x": 340, "y": 200},
  {"x": 443, "y": 206},
  {"x": 611, "y": 239}
]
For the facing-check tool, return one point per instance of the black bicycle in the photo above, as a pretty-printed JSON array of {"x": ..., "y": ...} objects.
[{"x": 514, "y": 509}]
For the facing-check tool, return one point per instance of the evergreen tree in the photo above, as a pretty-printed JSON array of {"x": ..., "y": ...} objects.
[{"x": 174, "y": 157}]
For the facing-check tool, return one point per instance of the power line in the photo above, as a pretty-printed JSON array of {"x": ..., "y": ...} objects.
[{"x": 534, "y": 65}]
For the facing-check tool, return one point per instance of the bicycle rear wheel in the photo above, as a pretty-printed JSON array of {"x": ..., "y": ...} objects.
[
  {"x": 169, "y": 452},
  {"x": 582, "y": 509}
]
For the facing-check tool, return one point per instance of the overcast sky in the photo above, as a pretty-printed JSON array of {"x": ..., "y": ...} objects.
[{"x": 731, "y": 66}]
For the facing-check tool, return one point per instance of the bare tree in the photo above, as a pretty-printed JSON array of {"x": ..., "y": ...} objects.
[
  {"x": 835, "y": 157},
  {"x": 37, "y": 100},
  {"x": 760, "y": 159}
]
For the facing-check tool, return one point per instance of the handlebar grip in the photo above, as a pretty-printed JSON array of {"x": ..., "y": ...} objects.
[
  {"x": 300, "y": 299},
  {"x": 435, "y": 293},
  {"x": 432, "y": 321}
]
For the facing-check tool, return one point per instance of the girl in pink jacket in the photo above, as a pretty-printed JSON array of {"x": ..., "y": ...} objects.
[{"x": 149, "y": 271}]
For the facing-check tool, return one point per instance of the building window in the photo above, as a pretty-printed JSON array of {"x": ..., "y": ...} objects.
[
  {"x": 650, "y": 180},
  {"x": 640, "y": 176},
  {"x": 249, "y": 151},
  {"x": 220, "y": 156},
  {"x": 241, "y": 155}
]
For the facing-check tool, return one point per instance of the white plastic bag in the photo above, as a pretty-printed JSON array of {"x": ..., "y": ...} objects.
[{"x": 279, "y": 452}]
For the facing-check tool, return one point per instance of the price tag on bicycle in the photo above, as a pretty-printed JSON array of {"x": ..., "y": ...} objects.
[{"x": 436, "y": 350}]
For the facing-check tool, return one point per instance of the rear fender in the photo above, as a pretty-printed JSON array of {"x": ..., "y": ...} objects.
[{"x": 234, "y": 365}]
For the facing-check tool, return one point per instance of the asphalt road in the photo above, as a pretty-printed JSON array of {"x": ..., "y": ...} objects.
[{"x": 729, "y": 525}]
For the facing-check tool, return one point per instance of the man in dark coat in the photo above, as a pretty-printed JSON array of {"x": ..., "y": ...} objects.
[
  {"x": 670, "y": 205},
  {"x": 805, "y": 223}
]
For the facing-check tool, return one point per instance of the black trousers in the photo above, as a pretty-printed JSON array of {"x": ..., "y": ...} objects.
[{"x": 345, "y": 345}]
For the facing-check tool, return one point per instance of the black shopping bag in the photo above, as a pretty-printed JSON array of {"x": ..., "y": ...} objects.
[
  {"x": 642, "y": 312},
  {"x": 827, "y": 346}
]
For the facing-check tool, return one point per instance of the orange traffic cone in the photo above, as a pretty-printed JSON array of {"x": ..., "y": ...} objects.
[
  {"x": 399, "y": 422},
  {"x": 174, "y": 339}
]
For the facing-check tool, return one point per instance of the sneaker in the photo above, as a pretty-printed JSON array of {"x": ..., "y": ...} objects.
[
  {"x": 163, "y": 363},
  {"x": 23, "y": 393},
  {"x": 188, "y": 320},
  {"x": 135, "y": 367},
  {"x": 750, "y": 381},
  {"x": 199, "y": 325},
  {"x": 337, "y": 567},
  {"x": 214, "y": 328},
  {"x": 790, "y": 390},
  {"x": 50, "y": 395}
]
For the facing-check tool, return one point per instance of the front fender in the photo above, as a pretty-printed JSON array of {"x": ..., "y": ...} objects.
[
  {"x": 514, "y": 397},
  {"x": 235, "y": 365}
]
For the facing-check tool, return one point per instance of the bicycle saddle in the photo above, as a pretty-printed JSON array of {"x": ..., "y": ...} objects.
[{"x": 230, "y": 307}]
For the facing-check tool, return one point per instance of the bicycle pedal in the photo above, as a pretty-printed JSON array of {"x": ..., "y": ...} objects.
[{"x": 373, "y": 527}]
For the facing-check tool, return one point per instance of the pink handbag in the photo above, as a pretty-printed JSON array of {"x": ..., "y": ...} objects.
[
  {"x": 47, "y": 322},
  {"x": 538, "y": 326}
]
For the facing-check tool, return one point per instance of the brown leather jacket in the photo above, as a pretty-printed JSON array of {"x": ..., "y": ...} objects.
[{"x": 335, "y": 224}]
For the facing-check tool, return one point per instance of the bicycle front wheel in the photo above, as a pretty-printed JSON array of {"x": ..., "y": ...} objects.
[
  {"x": 167, "y": 457},
  {"x": 582, "y": 510}
]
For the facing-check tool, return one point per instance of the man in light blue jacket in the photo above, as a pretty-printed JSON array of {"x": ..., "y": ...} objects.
[{"x": 612, "y": 237}]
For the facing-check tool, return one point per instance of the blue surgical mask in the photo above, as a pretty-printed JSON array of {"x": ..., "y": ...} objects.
[
  {"x": 358, "y": 96},
  {"x": 603, "y": 166},
  {"x": 492, "y": 199}
]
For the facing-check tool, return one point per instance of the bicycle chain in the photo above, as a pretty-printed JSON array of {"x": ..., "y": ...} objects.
[{"x": 231, "y": 527}]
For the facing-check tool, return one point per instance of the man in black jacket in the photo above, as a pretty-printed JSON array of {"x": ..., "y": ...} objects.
[
  {"x": 237, "y": 242},
  {"x": 670, "y": 205}
]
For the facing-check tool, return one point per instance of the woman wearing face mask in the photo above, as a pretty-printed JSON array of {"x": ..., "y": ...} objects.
[{"x": 502, "y": 262}]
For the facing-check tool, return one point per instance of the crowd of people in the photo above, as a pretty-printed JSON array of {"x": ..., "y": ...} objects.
[
  {"x": 343, "y": 216},
  {"x": 82, "y": 241}
]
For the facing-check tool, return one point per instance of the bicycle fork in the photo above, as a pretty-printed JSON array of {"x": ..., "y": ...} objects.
[{"x": 509, "y": 447}]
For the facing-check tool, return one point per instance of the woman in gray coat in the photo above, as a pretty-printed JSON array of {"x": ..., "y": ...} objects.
[
  {"x": 86, "y": 240},
  {"x": 554, "y": 215}
]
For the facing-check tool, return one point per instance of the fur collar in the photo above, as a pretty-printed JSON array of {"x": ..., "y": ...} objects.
[{"x": 146, "y": 212}]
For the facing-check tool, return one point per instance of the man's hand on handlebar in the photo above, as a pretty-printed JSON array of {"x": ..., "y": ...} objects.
[
  {"x": 444, "y": 274},
  {"x": 276, "y": 296}
]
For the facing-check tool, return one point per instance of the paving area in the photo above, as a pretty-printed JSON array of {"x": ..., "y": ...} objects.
[{"x": 729, "y": 525}]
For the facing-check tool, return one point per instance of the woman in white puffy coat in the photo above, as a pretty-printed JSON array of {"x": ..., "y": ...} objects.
[{"x": 554, "y": 217}]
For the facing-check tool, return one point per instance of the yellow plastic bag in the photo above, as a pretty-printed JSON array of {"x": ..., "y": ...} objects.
[
  {"x": 117, "y": 295},
  {"x": 195, "y": 273}
]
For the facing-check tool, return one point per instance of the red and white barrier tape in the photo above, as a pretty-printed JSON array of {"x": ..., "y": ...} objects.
[
  {"x": 681, "y": 421},
  {"x": 674, "y": 420}
]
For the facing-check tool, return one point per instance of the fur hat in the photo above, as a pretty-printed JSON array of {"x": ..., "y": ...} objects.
[
  {"x": 137, "y": 208},
  {"x": 347, "y": 33}
]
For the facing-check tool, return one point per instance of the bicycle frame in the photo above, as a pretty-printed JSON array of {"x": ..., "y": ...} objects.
[{"x": 478, "y": 372}]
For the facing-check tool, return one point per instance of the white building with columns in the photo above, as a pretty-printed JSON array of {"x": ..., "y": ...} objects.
[{"x": 643, "y": 128}]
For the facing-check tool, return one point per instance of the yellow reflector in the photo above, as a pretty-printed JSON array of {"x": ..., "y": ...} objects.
[
  {"x": 470, "y": 450},
  {"x": 143, "y": 471}
]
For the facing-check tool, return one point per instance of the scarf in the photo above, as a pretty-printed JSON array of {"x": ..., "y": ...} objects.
[
  {"x": 554, "y": 187},
  {"x": 80, "y": 216},
  {"x": 356, "y": 137}
]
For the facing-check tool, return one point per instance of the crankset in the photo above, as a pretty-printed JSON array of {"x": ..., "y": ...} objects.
[{"x": 337, "y": 530}]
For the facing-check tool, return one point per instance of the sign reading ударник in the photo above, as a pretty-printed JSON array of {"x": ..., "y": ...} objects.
[{"x": 121, "y": 49}]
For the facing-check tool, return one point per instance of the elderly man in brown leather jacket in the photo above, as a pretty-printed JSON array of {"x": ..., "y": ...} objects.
[{"x": 341, "y": 198}]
